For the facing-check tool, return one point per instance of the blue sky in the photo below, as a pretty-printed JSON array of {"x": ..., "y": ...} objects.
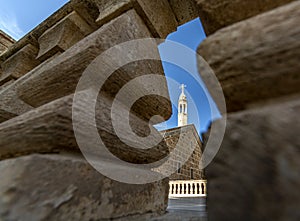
[
  {"x": 18, "y": 17},
  {"x": 199, "y": 111}
]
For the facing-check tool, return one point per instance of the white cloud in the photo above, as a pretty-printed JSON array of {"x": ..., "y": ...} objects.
[{"x": 9, "y": 24}]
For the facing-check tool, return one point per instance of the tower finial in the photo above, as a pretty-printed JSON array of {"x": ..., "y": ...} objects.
[{"x": 182, "y": 88}]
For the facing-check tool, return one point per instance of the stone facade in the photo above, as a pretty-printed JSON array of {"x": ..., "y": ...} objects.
[{"x": 189, "y": 170}]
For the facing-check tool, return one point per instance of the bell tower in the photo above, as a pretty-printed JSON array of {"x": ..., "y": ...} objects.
[{"x": 182, "y": 108}]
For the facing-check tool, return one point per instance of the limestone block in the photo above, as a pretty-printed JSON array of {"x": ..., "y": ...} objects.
[
  {"x": 5, "y": 115},
  {"x": 20, "y": 63},
  {"x": 59, "y": 77},
  {"x": 216, "y": 14},
  {"x": 50, "y": 129},
  {"x": 6, "y": 84},
  {"x": 157, "y": 14},
  {"x": 11, "y": 105},
  {"x": 185, "y": 10},
  {"x": 63, "y": 35},
  {"x": 55, "y": 187},
  {"x": 110, "y": 9},
  {"x": 257, "y": 59},
  {"x": 255, "y": 175}
]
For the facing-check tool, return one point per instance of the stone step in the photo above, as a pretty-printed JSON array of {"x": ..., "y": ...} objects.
[
  {"x": 50, "y": 129},
  {"x": 219, "y": 14},
  {"x": 59, "y": 77},
  {"x": 253, "y": 68},
  {"x": 56, "y": 187},
  {"x": 257, "y": 166}
]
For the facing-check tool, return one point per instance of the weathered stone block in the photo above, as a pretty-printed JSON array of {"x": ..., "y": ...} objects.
[
  {"x": 54, "y": 187},
  {"x": 11, "y": 105},
  {"x": 216, "y": 14},
  {"x": 63, "y": 35},
  {"x": 255, "y": 175},
  {"x": 5, "y": 41},
  {"x": 59, "y": 77},
  {"x": 157, "y": 14},
  {"x": 19, "y": 63},
  {"x": 257, "y": 59},
  {"x": 185, "y": 10},
  {"x": 50, "y": 129}
]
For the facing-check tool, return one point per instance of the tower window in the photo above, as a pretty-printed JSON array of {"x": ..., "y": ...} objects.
[
  {"x": 192, "y": 174},
  {"x": 178, "y": 167}
]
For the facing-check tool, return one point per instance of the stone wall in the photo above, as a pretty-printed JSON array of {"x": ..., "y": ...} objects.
[{"x": 189, "y": 142}]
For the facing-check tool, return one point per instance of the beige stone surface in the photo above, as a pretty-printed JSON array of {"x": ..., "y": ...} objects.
[
  {"x": 20, "y": 63},
  {"x": 157, "y": 14},
  {"x": 257, "y": 59},
  {"x": 5, "y": 115},
  {"x": 50, "y": 129},
  {"x": 54, "y": 187},
  {"x": 63, "y": 35},
  {"x": 255, "y": 175},
  {"x": 185, "y": 10},
  {"x": 110, "y": 9},
  {"x": 5, "y": 41},
  {"x": 59, "y": 77},
  {"x": 11, "y": 105},
  {"x": 216, "y": 14}
]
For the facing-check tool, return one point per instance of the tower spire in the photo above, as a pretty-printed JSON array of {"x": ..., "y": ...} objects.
[
  {"x": 182, "y": 108},
  {"x": 182, "y": 88}
]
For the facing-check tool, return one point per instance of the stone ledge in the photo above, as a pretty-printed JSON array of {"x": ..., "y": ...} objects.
[
  {"x": 63, "y": 35},
  {"x": 49, "y": 129},
  {"x": 19, "y": 64}
]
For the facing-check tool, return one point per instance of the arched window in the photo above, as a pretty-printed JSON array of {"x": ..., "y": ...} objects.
[{"x": 180, "y": 108}]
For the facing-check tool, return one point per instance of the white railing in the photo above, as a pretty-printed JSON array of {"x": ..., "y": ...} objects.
[{"x": 187, "y": 188}]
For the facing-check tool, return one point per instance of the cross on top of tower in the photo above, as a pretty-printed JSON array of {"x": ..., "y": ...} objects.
[{"x": 182, "y": 88}]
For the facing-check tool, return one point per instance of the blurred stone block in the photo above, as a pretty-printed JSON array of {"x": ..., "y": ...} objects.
[
  {"x": 20, "y": 63},
  {"x": 255, "y": 175},
  {"x": 217, "y": 14},
  {"x": 55, "y": 187},
  {"x": 257, "y": 59},
  {"x": 50, "y": 129},
  {"x": 63, "y": 35}
]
